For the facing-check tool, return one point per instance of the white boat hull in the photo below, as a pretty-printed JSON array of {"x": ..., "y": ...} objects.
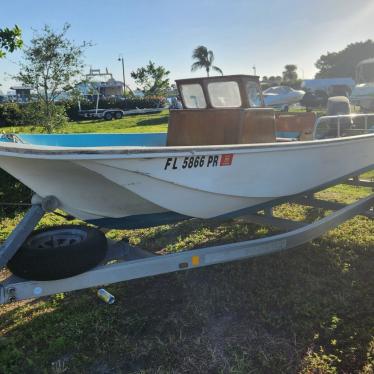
[{"x": 204, "y": 182}]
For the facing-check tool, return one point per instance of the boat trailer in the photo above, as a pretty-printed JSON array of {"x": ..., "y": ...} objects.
[{"x": 125, "y": 262}]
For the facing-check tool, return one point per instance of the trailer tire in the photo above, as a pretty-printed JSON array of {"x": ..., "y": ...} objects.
[
  {"x": 108, "y": 116},
  {"x": 118, "y": 115},
  {"x": 285, "y": 108},
  {"x": 59, "y": 252}
]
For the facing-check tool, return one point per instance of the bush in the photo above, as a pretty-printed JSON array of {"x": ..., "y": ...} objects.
[
  {"x": 51, "y": 117},
  {"x": 11, "y": 114}
]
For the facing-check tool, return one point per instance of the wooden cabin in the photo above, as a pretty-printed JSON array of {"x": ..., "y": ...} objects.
[{"x": 223, "y": 110}]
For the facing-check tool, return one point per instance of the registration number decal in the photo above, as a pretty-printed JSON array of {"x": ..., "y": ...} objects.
[{"x": 190, "y": 162}]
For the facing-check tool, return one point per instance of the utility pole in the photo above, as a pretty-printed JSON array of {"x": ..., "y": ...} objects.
[
  {"x": 254, "y": 70},
  {"x": 120, "y": 58}
]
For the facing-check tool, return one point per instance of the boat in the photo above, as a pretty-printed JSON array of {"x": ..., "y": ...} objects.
[
  {"x": 225, "y": 155},
  {"x": 220, "y": 156},
  {"x": 116, "y": 113},
  {"x": 282, "y": 97}
]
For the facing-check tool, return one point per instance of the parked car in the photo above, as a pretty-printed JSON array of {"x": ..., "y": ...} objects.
[
  {"x": 315, "y": 99},
  {"x": 282, "y": 97}
]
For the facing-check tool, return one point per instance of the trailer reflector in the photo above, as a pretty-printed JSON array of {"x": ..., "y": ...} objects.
[{"x": 195, "y": 260}]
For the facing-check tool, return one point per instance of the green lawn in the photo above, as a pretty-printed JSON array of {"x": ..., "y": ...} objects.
[
  {"x": 308, "y": 310},
  {"x": 136, "y": 123}
]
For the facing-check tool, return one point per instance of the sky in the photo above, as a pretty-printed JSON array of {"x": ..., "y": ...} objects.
[{"x": 267, "y": 34}]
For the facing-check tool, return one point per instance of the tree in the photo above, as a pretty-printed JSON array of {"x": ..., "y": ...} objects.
[
  {"x": 37, "y": 113},
  {"x": 10, "y": 40},
  {"x": 290, "y": 74},
  {"x": 204, "y": 60},
  {"x": 275, "y": 79},
  {"x": 152, "y": 79},
  {"x": 343, "y": 63},
  {"x": 52, "y": 65}
]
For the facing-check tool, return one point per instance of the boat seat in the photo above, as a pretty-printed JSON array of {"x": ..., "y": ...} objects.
[{"x": 221, "y": 126}]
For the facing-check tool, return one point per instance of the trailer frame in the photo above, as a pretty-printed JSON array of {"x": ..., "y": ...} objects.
[{"x": 125, "y": 262}]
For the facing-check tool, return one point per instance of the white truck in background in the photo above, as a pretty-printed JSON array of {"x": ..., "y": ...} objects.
[
  {"x": 329, "y": 85},
  {"x": 319, "y": 90},
  {"x": 363, "y": 92}
]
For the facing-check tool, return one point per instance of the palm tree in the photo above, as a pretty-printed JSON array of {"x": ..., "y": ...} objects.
[
  {"x": 290, "y": 74},
  {"x": 204, "y": 60}
]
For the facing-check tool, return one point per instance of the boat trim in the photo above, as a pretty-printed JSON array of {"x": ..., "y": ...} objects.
[{"x": 32, "y": 151}]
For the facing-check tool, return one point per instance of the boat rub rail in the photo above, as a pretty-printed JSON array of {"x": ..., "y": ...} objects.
[{"x": 24, "y": 150}]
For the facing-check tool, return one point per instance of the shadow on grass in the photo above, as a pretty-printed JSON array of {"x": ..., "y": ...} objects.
[
  {"x": 14, "y": 192},
  {"x": 261, "y": 315},
  {"x": 153, "y": 121}
]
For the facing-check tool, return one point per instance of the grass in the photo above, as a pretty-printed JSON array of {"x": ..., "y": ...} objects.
[
  {"x": 308, "y": 310},
  {"x": 136, "y": 123}
]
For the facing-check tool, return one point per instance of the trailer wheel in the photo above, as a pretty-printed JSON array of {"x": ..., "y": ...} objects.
[
  {"x": 285, "y": 108},
  {"x": 59, "y": 252},
  {"x": 118, "y": 115},
  {"x": 108, "y": 116}
]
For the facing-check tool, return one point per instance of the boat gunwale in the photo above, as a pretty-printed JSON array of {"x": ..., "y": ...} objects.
[{"x": 23, "y": 150}]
